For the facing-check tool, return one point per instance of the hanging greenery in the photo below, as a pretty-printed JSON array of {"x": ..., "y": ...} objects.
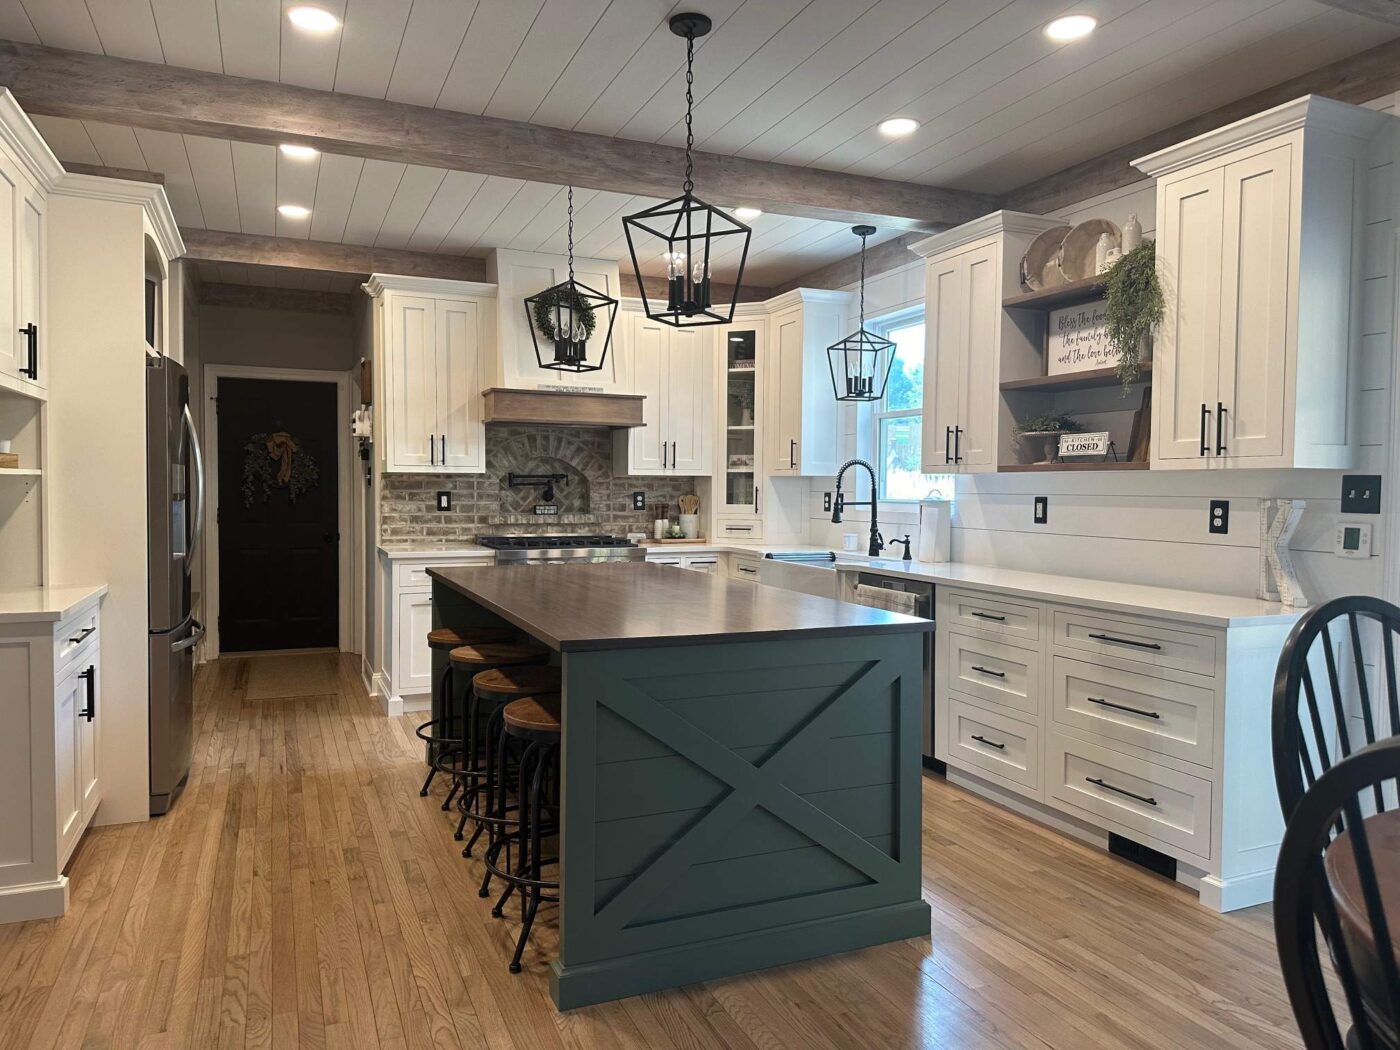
[
  {"x": 1134, "y": 307},
  {"x": 276, "y": 461},
  {"x": 567, "y": 297}
]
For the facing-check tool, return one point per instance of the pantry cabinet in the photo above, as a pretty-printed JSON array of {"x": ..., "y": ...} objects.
[
  {"x": 802, "y": 431},
  {"x": 28, "y": 170},
  {"x": 673, "y": 369},
  {"x": 971, "y": 342},
  {"x": 432, "y": 339},
  {"x": 1259, "y": 255}
]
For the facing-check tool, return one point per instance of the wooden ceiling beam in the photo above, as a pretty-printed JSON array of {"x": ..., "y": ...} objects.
[
  {"x": 289, "y": 252},
  {"x": 1359, "y": 78},
  {"x": 82, "y": 86},
  {"x": 1387, "y": 11}
]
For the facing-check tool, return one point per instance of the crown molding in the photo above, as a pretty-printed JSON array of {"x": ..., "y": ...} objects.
[
  {"x": 991, "y": 225},
  {"x": 379, "y": 283},
  {"x": 798, "y": 296},
  {"x": 1310, "y": 111},
  {"x": 148, "y": 196},
  {"x": 19, "y": 133}
]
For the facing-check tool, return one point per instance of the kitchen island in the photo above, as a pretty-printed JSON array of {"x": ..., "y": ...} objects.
[{"x": 741, "y": 769}]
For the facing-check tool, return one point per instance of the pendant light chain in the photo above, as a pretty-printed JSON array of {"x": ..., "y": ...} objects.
[
  {"x": 571, "y": 235},
  {"x": 862, "y": 282},
  {"x": 689, "y": 102}
]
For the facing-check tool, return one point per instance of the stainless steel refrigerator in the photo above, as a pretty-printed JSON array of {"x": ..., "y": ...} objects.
[{"x": 175, "y": 510}]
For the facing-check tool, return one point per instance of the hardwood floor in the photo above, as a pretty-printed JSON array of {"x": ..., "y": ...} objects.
[{"x": 302, "y": 894}]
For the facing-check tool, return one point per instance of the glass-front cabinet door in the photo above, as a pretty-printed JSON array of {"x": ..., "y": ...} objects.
[{"x": 740, "y": 472}]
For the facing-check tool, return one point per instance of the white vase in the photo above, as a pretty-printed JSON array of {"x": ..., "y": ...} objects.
[
  {"x": 690, "y": 526},
  {"x": 1132, "y": 233}
]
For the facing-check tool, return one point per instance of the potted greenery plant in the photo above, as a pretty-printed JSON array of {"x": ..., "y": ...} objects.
[
  {"x": 574, "y": 316},
  {"x": 1134, "y": 307},
  {"x": 1042, "y": 433}
]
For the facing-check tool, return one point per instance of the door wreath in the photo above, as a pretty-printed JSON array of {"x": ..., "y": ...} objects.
[{"x": 277, "y": 460}]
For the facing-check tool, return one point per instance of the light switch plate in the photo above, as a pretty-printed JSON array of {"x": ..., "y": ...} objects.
[
  {"x": 1361, "y": 493},
  {"x": 1042, "y": 510},
  {"x": 444, "y": 499},
  {"x": 1353, "y": 540}
]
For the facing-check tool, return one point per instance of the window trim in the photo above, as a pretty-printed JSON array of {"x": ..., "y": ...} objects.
[{"x": 882, "y": 326}]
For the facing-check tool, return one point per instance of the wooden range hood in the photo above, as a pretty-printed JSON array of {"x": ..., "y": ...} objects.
[{"x": 561, "y": 408}]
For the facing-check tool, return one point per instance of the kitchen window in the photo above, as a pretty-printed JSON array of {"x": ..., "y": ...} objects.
[{"x": 898, "y": 418}]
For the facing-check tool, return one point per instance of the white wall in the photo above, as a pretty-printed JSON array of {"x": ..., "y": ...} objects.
[{"x": 1151, "y": 527}]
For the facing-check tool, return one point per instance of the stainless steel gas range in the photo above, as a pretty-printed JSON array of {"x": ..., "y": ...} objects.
[{"x": 561, "y": 550}]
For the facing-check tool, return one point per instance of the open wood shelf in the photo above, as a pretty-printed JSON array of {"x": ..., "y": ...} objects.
[
  {"x": 1026, "y": 468},
  {"x": 1085, "y": 291},
  {"x": 21, "y": 472},
  {"x": 1089, "y": 379}
]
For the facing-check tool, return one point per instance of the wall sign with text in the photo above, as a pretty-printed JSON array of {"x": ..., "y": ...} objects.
[{"x": 1077, "y": 339}]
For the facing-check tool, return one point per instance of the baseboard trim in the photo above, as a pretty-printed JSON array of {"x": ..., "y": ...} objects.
[
  {"x": 1243, "y": 891},
  {"x": 390, "y": 704},
  {"x": 600, "y": 982},
  {"x": 37, "y": 900}
]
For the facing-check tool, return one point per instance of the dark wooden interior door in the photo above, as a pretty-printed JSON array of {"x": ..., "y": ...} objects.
[{"x": 278, "y": 557}]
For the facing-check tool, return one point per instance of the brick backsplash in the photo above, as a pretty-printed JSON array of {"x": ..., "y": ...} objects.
[{"x": 592, "y": 499}]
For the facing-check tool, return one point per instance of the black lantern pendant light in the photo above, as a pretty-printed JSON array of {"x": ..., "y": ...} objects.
[
  {"x": 860, "y": 364},
  {"x": 685, "y": 231},
  {"x": 566, "y": 315}
]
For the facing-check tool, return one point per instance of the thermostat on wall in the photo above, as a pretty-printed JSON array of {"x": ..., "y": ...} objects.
[{"x": 1353, "y": 541}]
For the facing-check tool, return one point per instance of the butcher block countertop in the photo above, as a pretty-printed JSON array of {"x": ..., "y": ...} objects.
[{"x": 636, "y": 605}]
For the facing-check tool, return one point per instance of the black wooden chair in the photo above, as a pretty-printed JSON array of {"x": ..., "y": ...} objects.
[
  {"x": 1313, "y": 724},
  {"x": 1339, "y": 869}
]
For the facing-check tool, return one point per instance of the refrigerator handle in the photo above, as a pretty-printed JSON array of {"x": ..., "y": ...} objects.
[
  {"x": 197, "y": 511},
  {"x": 191, "y": 641}
]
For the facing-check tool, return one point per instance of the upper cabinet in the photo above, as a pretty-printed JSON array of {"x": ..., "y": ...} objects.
[
  {"x": 432, "y": 339},
  {"x": 28, "y": 170},
  {"x": 802, "y": 435},
  {"x": 971, "y": 343},
  {"x": 1259, "y": 254},
  {"x": 518, "y": 275},
  {"x": 673, "y": 369}
]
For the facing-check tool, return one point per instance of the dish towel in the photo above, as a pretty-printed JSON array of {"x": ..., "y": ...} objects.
[{"x": 887, "y": 598}]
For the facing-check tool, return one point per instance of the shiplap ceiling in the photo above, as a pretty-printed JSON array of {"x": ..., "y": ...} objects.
[{"x": 798, "y": 81}]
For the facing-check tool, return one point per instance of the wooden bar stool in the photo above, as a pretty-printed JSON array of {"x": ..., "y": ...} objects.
[
  {"x": 437, "y": 731},
  {"x": 491, "y": 690},
  {"x": 536, "y": 722},
  {"x": 467, "y": 660}
]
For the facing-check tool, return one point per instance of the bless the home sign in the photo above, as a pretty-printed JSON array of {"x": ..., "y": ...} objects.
[{"x": 1077, "y": 339}]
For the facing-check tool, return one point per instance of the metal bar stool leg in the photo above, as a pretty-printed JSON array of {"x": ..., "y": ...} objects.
[
  {"x": 444, "y": 698},
  {"x": 530, "y": 864}
]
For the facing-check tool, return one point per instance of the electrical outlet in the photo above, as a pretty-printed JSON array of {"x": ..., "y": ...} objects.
[
  {"x": 639, "y": 501},
  {"x": 826, "y": 502},
  {"x": 444, "y": 500},
  {"x": 1042, "y": 509},
  {"x": 1219, "y": 516},
  {"x": 1361, "y": 493}
]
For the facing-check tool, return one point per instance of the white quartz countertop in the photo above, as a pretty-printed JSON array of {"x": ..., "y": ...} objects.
[
  {"x": 457, "y": 550},
  {"x": 1215, "y": 610},
  {"x": 45, "y": 604}
]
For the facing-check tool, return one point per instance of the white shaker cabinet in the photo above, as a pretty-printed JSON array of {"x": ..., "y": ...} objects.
[
  {"x": 971, "y": 343},
  {"x": 28, "y": 169},
  {"x": 432, "y": 339},
  {"x": 673, "y": 369},
  {"x": 51, "y": 700},
  {"x": 802, "y": 431},
  {"x": 1259, "y": 255}
]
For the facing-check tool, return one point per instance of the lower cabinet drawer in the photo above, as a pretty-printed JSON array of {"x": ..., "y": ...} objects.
[
  {"x": 739, "y": 529},
  {"x": 1170, "y": 718},
  {"x": 72, "y": 634},
  {"x": 742, "y": 567},
  {"x": 1141, "y": 640},
  {"x": 1004, "y": 748},
  {"x": 991, "y": 670},
  {"x": 1131, "y": 795},
  {"x": 1012, "y": 620}
]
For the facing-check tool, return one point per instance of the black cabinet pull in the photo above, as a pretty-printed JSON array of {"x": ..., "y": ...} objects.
[
  {"x": 90, "y": 712},
  {"x": 989, "y": 743},
  {"x": 755, "y": 499},
  {"x": 31, "y": 339},
  {"x": 432, "y": 450},
  {"x": 663, "y": 455},
  {"x": 1124, "y": 641},
  {"x": 1122, "y": 707},
  {"x": 987, "y": 670},
  {"x": 957, "y": 444},
  {"x": 1205, "y": 419},
  {"x": 443, "y": 458},
  {"x": 82, "y": 635},
  {"x": 1122, "y": 791},
  {"x": 947, "y": 444},
  {"x": 988, "y": 616},
  {"x": 792, "y": 453},
  {"x": 673, "y": 455},
  {"x": 1219, "y": 428}
]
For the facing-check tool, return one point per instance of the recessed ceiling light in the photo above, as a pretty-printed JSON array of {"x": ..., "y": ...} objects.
[
  {"x": 313, "y": 19},
  {"x": 747, "y": 214},
  {"x": 898, "y": 127},
  {"x": 299, "y": 152},
  {"x": 293, "y": 211},
  {"x": 1071, "y": 27}
]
